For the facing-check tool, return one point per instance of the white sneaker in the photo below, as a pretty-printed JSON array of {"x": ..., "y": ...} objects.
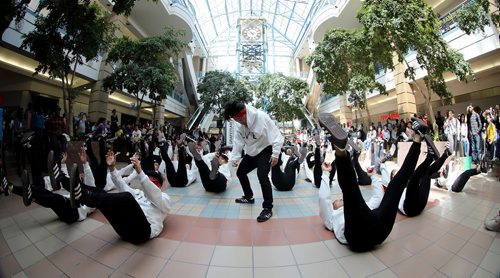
[{"x": 493, "y": 224}]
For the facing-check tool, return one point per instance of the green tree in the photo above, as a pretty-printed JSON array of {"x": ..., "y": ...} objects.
[
  {"x": 10, "y": 10},
  {"x": 475, "y": 15},
  {"x": 218, "y": 87},
  {"x": 15, "y": 9},
  {"x": 402, "y": 27},
  {"x": 73, "y": 33},
  {"x": 348, "y": 61},
  {"x": 282, "y": 96},
  {"x": 143, "y": 67}
]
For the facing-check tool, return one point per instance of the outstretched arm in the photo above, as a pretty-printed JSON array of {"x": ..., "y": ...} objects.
[
  {"x": 153, "y": 193},
  {"x": 325, "y": 201}
]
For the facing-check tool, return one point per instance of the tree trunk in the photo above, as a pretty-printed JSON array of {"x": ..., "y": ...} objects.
[{"x": 368, "y": 119}]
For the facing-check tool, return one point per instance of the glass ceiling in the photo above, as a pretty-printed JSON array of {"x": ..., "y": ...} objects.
[
  {"x": 286, "y": 22},
  {"x": 286, "y": 18}
]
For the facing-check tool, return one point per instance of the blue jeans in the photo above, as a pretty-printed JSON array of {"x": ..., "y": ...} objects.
[
  {"x": 465, "y": 143},
  {"x": 476, "y": 147}
]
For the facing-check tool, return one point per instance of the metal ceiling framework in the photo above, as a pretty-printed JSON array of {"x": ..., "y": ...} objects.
[{"x": 287, "y": 22}]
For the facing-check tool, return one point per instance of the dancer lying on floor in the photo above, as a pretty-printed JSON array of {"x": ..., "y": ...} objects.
[
  {"x": 177, "y": 173},
  {"x": 358, "y": 216},
  {"x": 284, "y": 174},
  {"x": 61, "y": 205},
  {"x": 454, "y": 179},
  {"x": 135, "y": 214},
  {"x": 313, "y": 169},
  {"x": 213, "y": 168},
  {"x": 416, "y": 193}
]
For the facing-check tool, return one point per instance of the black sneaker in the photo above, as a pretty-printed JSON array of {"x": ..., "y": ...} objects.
[
  {"x": 54, "y": 171},
  {"x": 431, "y": 148},
  {"x": 303, "y": 154},
  {"x": 75, "y": 189},
  {"x": 484, "y": 167},
  {"x": 338, "y": 136},
  {"x": 419, "y": 126},
  {"x": 215, "y": 168},
  {"x": 192, "y": 148},
  {"x": 27, "y": 192},
  {"x": 245, "y": 200},
  {"x": 265, "y": 215}
]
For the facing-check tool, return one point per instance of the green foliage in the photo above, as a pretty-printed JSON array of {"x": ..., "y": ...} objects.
[
  {"x": 142, "y": 67},
  {"x": 411, "y": 25},
  {"x": 347, "y": 61},
  {"x": 10, "y": 10},
  {"x": 219, "y": 87},
  {"x": 473, "y": 16},
  {"x": 283, "y": 96},
  {"x": 72, "y": 32}
]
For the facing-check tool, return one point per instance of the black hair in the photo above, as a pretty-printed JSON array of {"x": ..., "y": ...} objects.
[{"x": 231, "y": 108}]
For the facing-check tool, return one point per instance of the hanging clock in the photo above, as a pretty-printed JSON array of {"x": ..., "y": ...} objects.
[{"x": 252, "y": 33}]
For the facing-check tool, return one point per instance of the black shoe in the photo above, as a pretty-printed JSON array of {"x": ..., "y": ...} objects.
[
  {"x": 192, "y": 148},
  {"x": 245, "y": 200},
  {"x": 265, "y": 215},
  {"x": 303, "y": 154},
  {"x": 419, "y": 126},
  {"x": 5, "y": 183},
  {"x": 215, "y": 168},
  {"x": 27, "y": 192},
  {"x": 338, "y": 136},
  {"x": 75, "y": 188},
  {"x": 354, "y": 146},
  {"x": 431, "y": 148}
]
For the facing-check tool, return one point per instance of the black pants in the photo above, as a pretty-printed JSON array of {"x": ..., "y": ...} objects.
[
  {"x": 363, "y": 178},
  {"x": 175, "y": 178},
  {"x": 310, "y": 163},
  {"x": 216, "y": 185},
  {"x": 365, "y": 228},
  {"x": 123, "y": 213},
  {"x": 47, "y": 199},
  {"x": 461, "y": 180},
  {"x": 419, "y": 185},
  {"x": 34, "y": 155},
  {"x": 147, "y": 162},
  {"x": 261, "y": 162},
  {"x": 99, "y": 168},
  {"x": 285, "y": 180},
  {"x": 318, "y": 171}
]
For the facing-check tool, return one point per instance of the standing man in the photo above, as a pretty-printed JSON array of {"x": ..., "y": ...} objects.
[
  {"x": 261, "y": 140},
  {"x": 475, "y": 131},
  {"x": 114, "y": 123}
]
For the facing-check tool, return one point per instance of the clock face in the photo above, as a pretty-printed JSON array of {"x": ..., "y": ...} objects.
[{"x": 252, "y": 33}]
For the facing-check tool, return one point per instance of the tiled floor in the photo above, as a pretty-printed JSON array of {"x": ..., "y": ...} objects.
[{"x": 209, "y": 236}]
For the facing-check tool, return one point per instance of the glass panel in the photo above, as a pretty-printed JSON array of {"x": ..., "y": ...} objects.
[{"x": 217, "y": 20}]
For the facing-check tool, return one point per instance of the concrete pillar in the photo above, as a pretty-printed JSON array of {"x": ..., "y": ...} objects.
[
  {"x": 405, "y": 97},
  {"x": 159, "y": 112},
  {"x": 98, "y": 100}
]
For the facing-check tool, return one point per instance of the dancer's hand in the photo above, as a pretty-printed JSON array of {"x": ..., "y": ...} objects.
[
  {"x": 326, "y": 166},
  {"x": 64, "y": 156},
  {"x": 111, "y": 160},
  {"x": 82, "y": 155},
  {"x": 235, "y": 163},
  {"x": 137, "y": 164},
  {"x": 273, "y": 161}
]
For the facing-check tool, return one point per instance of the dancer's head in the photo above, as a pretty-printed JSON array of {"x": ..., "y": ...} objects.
[{"x": 235, "y": 110}]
